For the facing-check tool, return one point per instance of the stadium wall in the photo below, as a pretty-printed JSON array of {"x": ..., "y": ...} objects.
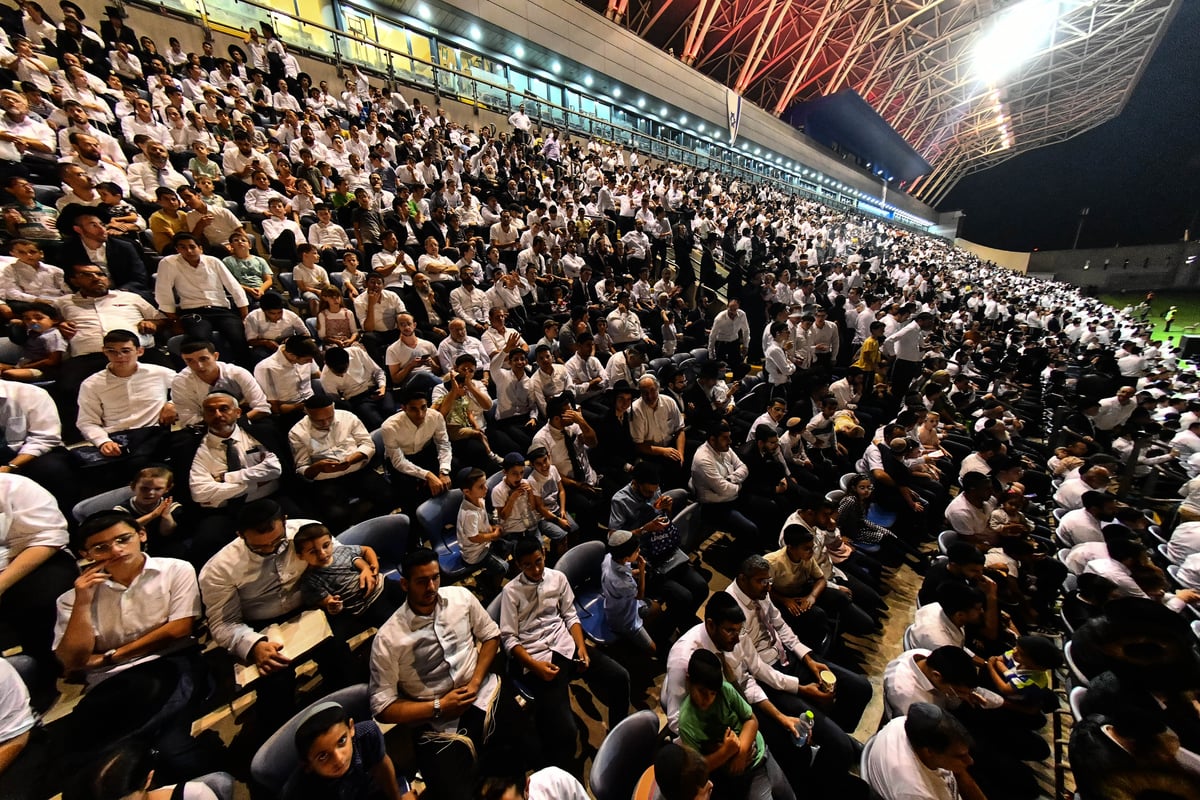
[
  {"x": 1117, "y": 269},
  {"x": 1017, "y": 262}
]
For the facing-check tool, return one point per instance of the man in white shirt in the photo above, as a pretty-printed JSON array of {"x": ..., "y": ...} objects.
[
  {"x": 252, "y": 582},
  {"x": 568, "y": 438},
  {"x": 31, "y": 442},
  {"x": 417, "y": 450},
  {"x": 624, "y": 326},
  {"x": 944, "y": 622},
  {"x": 431, "y": 674},
  {"x": 778, "y": 647},
  {"x": 656, "y": 427},
  {"x": 193, "y": 284},
  {"x": 923, "y": 755},
  {"x": 1084, "y": 524},
  {"x": 729, "y": 339},
  {"x": 717, "y": 478},
  {"x": 231, "y": 464},
  {"x": 332, "y": 451},
  {"x": 906, "y": 344},
  {"x": 204, "y": 374},
  {"x": 147, "y": 177},
  {"x": 35, "y": 568},
  {"x": 969, "y": 513},
  {"x": 471, "y": 305},
  {"x": 541, "y": 632},
  {"x": 585, "y": 370},
  {"x": 549, "y": 380},
  {"x": 1070, "y": 494},
  {"x": 777, "y": 712},
  {"x": 127, "y": 605},
  {"x": 125, "y": 409},
  {"x": 286, "y": 377}
]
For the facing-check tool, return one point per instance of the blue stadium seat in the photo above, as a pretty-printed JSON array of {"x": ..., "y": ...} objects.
[{"x": 581, "y": 564}]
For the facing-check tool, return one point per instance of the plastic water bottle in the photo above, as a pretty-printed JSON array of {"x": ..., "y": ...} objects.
[
  {"x": 804, "y": 729},
  {"x": 803, "y": 736}
]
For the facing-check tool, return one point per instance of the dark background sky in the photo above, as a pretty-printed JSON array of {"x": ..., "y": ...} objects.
[{"x": 1139, "y": 173}]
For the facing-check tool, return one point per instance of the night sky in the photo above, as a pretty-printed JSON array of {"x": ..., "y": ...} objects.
[{"x": 1139, "y": 173}]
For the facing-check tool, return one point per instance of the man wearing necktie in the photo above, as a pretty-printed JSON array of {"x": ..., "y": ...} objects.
[{"x": 780, "y": 648}]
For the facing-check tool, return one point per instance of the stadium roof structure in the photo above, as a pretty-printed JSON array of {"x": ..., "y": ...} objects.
[{"x": 967, "y": 83}]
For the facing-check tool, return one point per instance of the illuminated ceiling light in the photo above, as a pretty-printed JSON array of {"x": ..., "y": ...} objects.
[
  {"x": 519, "y": 51},
  {"x": 423, "y": 12},
  {"x": 556, "y": 67},
  {"x": 641, "y": 102},
  {"x": 1016, "y": 36},
  {"x": 700, "y": 128},
  {"x": 616, "y": 92},
  {"x": 662, "y": 112},
  {"x": 476, "y": 34},
  {"x": 587, "y": 80},
  {"x": 683, "y": 119}
]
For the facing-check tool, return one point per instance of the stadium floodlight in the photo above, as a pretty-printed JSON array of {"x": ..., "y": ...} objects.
[{"x": 1015, "y": 37}]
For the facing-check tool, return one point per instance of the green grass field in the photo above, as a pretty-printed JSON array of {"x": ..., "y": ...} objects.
[{"x": 1188, "y": 314}]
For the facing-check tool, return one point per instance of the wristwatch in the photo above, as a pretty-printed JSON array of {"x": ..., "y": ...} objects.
[{"x": 437, "y": 708}]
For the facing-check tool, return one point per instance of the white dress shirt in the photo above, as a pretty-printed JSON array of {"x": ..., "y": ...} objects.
[
  {"x": 240, "y": 587},
  {"x": 188, "y": 391},
  {"x": 761, "y": 616},
  {"x": 29, "y": 419},
  {"x": 108, "y": 403},
  {"x": 904, "y": 684},
  {"x": 554, "y": 440},
  {"x": 895, "y": 772},
  {"x": 362, "y": 375},
  {"x": 95, "y": 316},
  {"x": 29, "y": 517},
  {"x": 725, "y": 329},
  {"x": 717, "y": 477},
  {"x": 213, "y": 485},
  {"x": 201, "y": 286},
  {"x": 402, "y": 438},
  {"x": 932, "y": 629},
  {"x": 346, "y": 435},
  {"x": 743, "y": 667},
  {"x": 513, "y": 398},
  {"x": 384, "y": 314},
  {"x": 582, "y": 372},
  {"x": 539, "y": 616},
  {"x": 19, "y": 281},
  {"x": 284, "y": 381},
  {"x": 1079, "y": 526},
  {"x": 419, "y": 658},
  {"x": 543, "y": 386},
  {"x": 657, "y": 425},
  {"x": 164, "y": 591},
  {"x": 906, "y": 342}
]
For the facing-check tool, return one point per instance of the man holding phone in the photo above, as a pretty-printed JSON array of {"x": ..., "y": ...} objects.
[{"x": 411, "y": 361}]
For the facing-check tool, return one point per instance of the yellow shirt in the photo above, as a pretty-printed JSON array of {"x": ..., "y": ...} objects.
[
  {"x": 792, "y": 578},
  {"x": 870, "y": 358}
]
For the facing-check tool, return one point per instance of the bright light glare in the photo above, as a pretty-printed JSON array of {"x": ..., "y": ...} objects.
[
  {"x": 556, "y": 67},
  {"x": 587, "y": 80},
  {"x": 519, "y": 51},
  {"x": 476, "y": 33},
  {"x": 423, "y": 12},
  {"x": 1015, "y": 37}
]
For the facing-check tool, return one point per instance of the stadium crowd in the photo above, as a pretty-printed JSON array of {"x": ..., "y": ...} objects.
[{"x": 286, "y": 357}]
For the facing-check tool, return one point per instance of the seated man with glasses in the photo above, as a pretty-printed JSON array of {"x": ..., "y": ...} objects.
[
  {"x": 126, "y": 627},
  {"x": 249, "y": 584},
  {"x": 125, "y": 411},
  {"x": 126, "y": 606}
]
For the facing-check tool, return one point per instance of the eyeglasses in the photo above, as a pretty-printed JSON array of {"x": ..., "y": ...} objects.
[
  {"x": 104, "y": 548},
  {"x": 273, "y": 548}
]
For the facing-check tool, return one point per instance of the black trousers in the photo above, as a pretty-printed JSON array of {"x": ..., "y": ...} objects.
[
  {"x": 227, "y": 323},
  {"x": 731, "y": 354},
  {"x": 605, "y": 678},
  {"x": 52, "y": 470},
  {"x": 28, "y": 609}
]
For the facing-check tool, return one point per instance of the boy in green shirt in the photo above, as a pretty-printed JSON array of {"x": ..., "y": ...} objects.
[{"x": 716, "y": 720}]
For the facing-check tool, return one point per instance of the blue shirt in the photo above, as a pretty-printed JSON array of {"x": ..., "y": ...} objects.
[{"x": 620, "y": 595}]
